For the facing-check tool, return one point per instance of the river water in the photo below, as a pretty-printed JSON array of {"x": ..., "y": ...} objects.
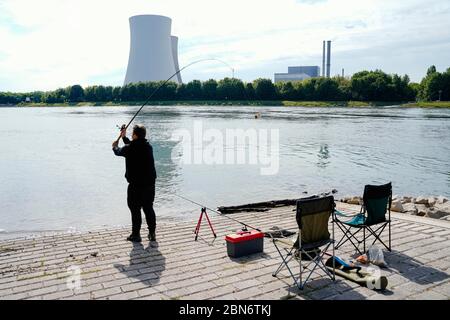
[{"x": 58, "y": 173}]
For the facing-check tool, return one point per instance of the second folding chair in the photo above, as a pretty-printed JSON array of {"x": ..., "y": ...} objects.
[{"x": 371, "y": 219}]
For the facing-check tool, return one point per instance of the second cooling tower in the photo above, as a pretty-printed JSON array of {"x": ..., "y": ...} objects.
[{"x": 153, "y": 51}]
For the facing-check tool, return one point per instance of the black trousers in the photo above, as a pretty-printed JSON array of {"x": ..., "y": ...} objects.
[{"x": 141, "y": 197}]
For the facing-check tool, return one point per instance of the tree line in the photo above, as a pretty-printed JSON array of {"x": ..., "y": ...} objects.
[{"x": 362, "y": 86}]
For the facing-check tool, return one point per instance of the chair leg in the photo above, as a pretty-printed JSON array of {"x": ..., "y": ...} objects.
[
  {"x": 377, "y": 233},
  {"x": 364, "y": 238},
  {"x": 346, "y": 237},
  {"x": 284, "y": 261},
  {"x": 390, "y": 247}
]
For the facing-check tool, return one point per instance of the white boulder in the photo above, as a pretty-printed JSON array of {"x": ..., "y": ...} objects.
[
  {"x": 397, "y": 206},
  {"x": 410, "y": 208}
]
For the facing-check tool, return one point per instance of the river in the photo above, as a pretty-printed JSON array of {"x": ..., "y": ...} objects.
[{"x": 58, "y": 173}]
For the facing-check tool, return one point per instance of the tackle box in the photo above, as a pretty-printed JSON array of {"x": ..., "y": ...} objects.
[{"x": 243, "y": 243}]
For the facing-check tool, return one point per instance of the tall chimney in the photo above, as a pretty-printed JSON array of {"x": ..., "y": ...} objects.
[
  {"x": 323, "y": 60},
  {"x": 328, "y": 58}
]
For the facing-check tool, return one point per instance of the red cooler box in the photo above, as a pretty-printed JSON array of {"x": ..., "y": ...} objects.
[{"x": 244, "y": 243}]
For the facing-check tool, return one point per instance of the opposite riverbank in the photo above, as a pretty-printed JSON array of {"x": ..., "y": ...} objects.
[{"x": 268, "y": 103}]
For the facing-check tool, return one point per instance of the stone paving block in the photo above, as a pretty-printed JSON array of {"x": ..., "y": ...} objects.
[
  {"x": 429, "y": 295},
  {"x": 58, "y": 295},
  {"x": 196, "y": 287},
  {"x": 106, "y": 292},
  {"x": 122, "y": 296},
  {"x": 323, "y": 293},
  {"x": 246, "y": 284}
]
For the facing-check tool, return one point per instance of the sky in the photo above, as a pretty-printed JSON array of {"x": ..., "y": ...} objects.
[{"x": 48, "y": 44}]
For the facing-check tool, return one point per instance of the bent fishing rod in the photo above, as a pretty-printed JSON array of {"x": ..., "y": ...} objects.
[
  {"x": 164, "y": 83},
  {"x": 333, "y": 191}
]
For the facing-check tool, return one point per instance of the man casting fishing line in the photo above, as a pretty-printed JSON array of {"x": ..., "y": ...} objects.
[
  {"x": 140, "y": 168},
  {"x": 141, "y": 175}
]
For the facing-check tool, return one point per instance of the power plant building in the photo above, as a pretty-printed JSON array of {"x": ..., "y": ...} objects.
[
  {"x": 153, "y": 50},
  {"x": 298, "y": 73}
]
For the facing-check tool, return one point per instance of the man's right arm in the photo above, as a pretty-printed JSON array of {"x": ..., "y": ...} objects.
[
  {"x": 126, "y": 140},
  {"x": 121, "y": 152}
]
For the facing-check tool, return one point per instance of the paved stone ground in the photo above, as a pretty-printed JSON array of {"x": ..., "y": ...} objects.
[{"x": 179, "y": 268}]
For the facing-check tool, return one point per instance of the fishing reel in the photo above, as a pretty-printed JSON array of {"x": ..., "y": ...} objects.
[{"x": 122, "y": 127}]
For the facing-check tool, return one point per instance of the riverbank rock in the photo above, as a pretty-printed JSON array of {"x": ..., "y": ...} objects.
[
  {"x": 424, "y": 206},
  {"x": 410, "y": 208},
  {"x": 421, "y": 200},
  {"x": 397, "y": 205},
  {"x": 441, "y": 200},
  {"x": 355, "y": 200},
  {"x": 407, "y": 199},
  {"x": 437, "y": 214},
  {"x": 422, "y": 210},
  {"x": 432, "y": 201}
]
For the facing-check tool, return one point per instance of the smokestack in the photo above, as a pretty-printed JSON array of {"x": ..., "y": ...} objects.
[
  {"x": 342, "y": 72},
  {"x": 328, "y": 58},
  {"x": 323, "y": 60}
]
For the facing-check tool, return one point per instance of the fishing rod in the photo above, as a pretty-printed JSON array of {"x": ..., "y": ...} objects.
[
  {"x": 333, "y": 191},
  {"x": 218, "y": 213},
  {"x": 164, "y": 83}
]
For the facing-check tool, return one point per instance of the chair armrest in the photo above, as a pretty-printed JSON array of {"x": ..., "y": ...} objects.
[
  {"x": 285, "y": 241},
  {"x": 342, "y": 214}
]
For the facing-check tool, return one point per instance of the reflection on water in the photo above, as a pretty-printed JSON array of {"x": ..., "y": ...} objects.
[
  {"x": 323, "y": 155},
  {"x": 57, "y": 169}
]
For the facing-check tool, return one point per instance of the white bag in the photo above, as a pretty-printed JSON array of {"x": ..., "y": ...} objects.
[{"x": 375, "y": 256}]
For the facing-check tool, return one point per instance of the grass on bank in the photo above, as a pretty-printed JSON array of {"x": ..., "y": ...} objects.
[
  {"x": 429, "y": 104},
  {"x": 436, "y": 104}
]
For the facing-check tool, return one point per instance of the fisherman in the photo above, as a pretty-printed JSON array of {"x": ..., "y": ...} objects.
[{"x": 141, "y": 175}]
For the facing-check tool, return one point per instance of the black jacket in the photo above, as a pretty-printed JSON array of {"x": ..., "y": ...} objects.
[{"x": 139, "y": 161}]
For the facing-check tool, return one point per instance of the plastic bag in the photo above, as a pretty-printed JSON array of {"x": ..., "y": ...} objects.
[{"x": 375, "y": 255}]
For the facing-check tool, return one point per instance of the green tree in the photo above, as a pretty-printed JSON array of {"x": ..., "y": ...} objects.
[
  {"x": 209, "y": 89},
  {"x": 116, "y": 94},
  {"x": 285, "y": 90},
  {"x": 75, "y": 93},
  {"x": 89, "y": 94},
  {"x": 194, "y": 90},
  {"x": 230, "y": 89},
  {"x": 250, "y": 91},
  {"x": 264, "y": 89},
  {"x": 327, "y": 89},
  {"x": 431, "y": 70}
]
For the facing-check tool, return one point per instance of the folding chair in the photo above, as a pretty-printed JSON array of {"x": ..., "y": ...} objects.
[
  {"x": 311, "y": 242},
  {"x": 372, "y": 217}
]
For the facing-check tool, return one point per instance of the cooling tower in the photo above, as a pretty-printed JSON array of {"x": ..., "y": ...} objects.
[{"x": 152, "y": 55}]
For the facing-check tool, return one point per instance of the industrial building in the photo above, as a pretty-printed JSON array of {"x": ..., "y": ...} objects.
[
  {"x": 298, "y": 73},
  {"x": 305, "y": 72},
  {"x": 153, "y": 50}
]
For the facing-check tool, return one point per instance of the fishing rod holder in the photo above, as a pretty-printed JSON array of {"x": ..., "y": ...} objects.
[{"x": 197, "y": 228}]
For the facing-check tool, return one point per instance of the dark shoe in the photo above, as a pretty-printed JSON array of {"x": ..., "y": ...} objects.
[
  {"x": 134, "y": 238},
  {"x": 152, "y": 236}
]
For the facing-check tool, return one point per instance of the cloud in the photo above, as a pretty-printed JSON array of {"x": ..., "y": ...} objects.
[{"x": 54, "y": 43}]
